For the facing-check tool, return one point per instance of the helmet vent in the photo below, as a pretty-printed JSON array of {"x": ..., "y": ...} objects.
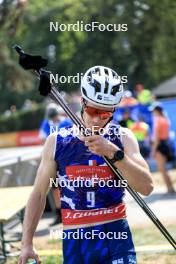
[
  {"x": 84, "y": 91},
  {"x": 106, "y": 71},
  {"x": 106, "y": 87},
  {"x": 97, "y": 71},
  {"x": 97, "y": 86},
  {"x": 115, "y": 89},
  {"x": 114, "y": 74}
]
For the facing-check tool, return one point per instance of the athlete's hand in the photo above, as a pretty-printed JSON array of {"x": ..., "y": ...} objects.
[
  {"x": 28, "y": 253},
  {"x": 100, "y": 146}
]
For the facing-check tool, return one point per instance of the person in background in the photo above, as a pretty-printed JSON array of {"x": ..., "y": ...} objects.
[
  {"x": 13, "y": 109},
  {"x": 126, "y": 120},
  {"x": 128, "y": 99},
  {"x": 55, "y": 118},
  {"x": 144, "y": 96},
  {"x": 161, "y": 149},
  {"x": 141, "y": 132},
  {"x": 10, "y": 111},
  {"x": 27, "y": 105}
]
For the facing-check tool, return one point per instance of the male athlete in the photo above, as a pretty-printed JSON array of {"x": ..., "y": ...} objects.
[{"x": 94, "y": 219}]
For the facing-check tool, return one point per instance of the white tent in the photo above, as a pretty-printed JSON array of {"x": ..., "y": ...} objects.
[{"x": 166, "y": 89}]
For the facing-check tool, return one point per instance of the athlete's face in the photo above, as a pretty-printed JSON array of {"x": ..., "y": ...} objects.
[{"x": 96, "y": 116}]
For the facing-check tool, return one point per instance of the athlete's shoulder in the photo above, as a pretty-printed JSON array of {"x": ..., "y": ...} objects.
[
  {"x": 127, "y": 133},
  {"x": 129, "y": 141},
  {"x": 49, "y": 146}
]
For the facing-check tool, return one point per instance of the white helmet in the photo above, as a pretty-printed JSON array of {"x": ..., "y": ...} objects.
[{"x": 102, "y": 86}]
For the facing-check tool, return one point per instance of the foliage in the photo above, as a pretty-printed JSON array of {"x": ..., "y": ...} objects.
[
  {"x": 12, "y": 77},
  {"x": 22, "y": 120},
  {"x": 146, "y": 52}
]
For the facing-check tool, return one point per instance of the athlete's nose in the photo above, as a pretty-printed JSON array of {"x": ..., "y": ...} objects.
[{"x": 96, "y": 119}]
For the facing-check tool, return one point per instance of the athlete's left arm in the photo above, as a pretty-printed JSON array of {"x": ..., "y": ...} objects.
[{"x": 133, "y": 167}]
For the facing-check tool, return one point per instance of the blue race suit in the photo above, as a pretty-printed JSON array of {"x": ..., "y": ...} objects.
[{"x": 91, "y": 209}]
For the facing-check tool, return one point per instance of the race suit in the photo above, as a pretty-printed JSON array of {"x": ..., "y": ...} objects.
[{"x": 95, "y": 211}]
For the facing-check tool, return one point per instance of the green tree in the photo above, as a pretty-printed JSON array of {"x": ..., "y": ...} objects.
[
  {"x": 12, "y": 77},
  {"x": 146, "y": 52}
]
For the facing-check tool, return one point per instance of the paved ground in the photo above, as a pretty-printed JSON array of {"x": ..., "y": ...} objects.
[
  {"x": 5, "y": 152},
  {"x": 10, "y": 156},
  {"x": 162, "y": 204}
]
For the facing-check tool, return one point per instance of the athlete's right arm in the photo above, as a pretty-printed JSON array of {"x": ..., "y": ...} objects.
[{"x": 37, "y": 200}]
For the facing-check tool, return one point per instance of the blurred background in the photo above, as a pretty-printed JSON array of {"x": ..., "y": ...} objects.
[{"x": 145, "y": 53}]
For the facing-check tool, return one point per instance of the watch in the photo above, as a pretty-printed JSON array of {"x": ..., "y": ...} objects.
[{"x": 118, "y": 155}]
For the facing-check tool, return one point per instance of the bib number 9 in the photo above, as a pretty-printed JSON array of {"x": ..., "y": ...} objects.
[{"x": 90, "y": 199}]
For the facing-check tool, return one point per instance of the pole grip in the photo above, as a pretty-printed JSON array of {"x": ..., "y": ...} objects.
[{"x": 18, "y": 49}]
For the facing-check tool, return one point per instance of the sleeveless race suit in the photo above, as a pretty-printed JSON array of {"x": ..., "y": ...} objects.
[{"x": 91, "y": 209}]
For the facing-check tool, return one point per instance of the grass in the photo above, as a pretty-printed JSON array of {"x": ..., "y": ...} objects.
[
  {"x": 151, "y": 235},
  {"x": 141, "y": 236},
  {"x": 45, "y": 260},
  {"x": 161, "y": 258}
]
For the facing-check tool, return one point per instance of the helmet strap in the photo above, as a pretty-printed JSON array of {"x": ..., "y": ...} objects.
[{"x": 83, "y": 103}]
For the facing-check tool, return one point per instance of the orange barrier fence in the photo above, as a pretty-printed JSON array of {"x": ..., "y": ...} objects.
[{"x": 22, "y": 138}]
